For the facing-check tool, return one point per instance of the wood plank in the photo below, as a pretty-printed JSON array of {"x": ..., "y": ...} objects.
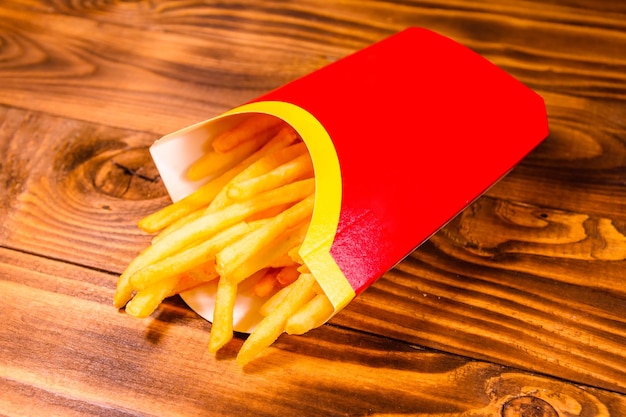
[
  {"x": 181, "y": 64},
  {"x": 550, "y": 304},
  {"x": 527, "y": 286},
  {"x": 155, "y": 80},
  {"x": 87, "y": 359},
  {"x": 74, "y": 191},
  {"x": 581, "y": 166},
  {"x": 530, "y": 276}
]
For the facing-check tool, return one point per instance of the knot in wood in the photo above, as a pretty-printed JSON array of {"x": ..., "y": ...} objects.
[
  {"x": 130, "y": 175},
  {"x": 528, "y": 406}
]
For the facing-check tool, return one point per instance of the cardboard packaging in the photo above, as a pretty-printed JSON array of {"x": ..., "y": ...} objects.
[{"x": 403, "y": 135}]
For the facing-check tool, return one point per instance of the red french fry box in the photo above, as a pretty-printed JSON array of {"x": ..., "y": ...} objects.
[{"x": 403, "y": 135}]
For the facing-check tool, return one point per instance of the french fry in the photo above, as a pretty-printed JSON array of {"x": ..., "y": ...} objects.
[
  {"x": 294, "y": 254},
  {"x": 310, "y": 316},
  {"x": 246, "y": 223},
  {"x": 298, "y": 168},
  {"x": 288, "y": 274},
  {"x": 270, "y": 212},
  {"x": 231, "y": 260},
  {"x": 255, "y": 126},
  {"x": 195, "y": 277},
  {"x": 161, "y": 219},
  {"x": 283, "y": 260},
  {"x": 208, "y": 225},
  {"x": 258, "y": 263},
  {"x": 206, "y": 193},
  {"x": 146, "y": 301},
  {"x": 272, "y": 325},
  {"x": 191, "y": 257},
  {"x": 270, "y": 304},
  {"x": 123, "y": 291},
  {"x": 186, "y": 281},
  {"x": 194, "y": 215},
  {"x": 266, "y": 284},
  {"x": 215, "y": 163},
  {"x": 268, "y": 256},
  {"x": 262, "y": 166},
  {"x": 222, "y": 329}
]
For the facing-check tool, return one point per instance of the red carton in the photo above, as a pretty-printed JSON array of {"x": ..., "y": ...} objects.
[{"x": 403, "y": 135}]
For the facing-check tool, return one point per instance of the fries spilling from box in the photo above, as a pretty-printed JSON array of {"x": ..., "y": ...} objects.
[{"x": 287, "y": 207}]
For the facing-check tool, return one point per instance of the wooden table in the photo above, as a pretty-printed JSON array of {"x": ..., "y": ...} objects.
[{"x": 516, "y": 308}]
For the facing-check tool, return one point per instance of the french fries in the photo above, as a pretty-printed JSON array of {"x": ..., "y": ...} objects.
[
  {"x": 204, "y": 195},
  {"x": 300, "y": 292},
  {"x": 245, "y": 224}
]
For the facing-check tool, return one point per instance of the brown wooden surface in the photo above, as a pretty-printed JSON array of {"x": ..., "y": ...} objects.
[{"x": 515, "y": 308}]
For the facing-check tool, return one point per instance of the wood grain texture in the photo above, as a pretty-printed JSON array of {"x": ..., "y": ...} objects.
[
  {"x": 79, "y": 190},
  {"x": 522, "y": 296},
  {"x": 213, "y": 56},
  {"x": 87, "y": 358}
]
